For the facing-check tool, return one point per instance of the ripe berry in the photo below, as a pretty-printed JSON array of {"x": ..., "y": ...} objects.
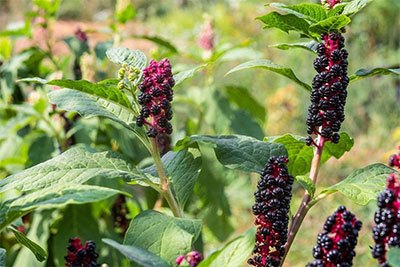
[
  {"x": 271, "y": 209},
  {"x": 155, "y": 97},
  {"x": 335, "y": 245},
  {"x": 79, "y": 255},
  {"x": 394, "y": 160}
]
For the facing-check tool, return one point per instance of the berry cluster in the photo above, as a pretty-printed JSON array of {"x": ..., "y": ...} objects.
[
  {"x": 271, "y": 208},
  {"x": 155, "y": 97},
  {"x": 328, "y": 96},
  {"x": 386, "y": 232},
  {"x": 330, "y": 3},
  {"x": 82, "y": 37},
  {"x": 79, "y": 255},
  {"x": 193, "y": 258},
  {"x": 335, "y": 245},
  {"x": 119, "y": 212},
  {"x": 394, "y": 160}
]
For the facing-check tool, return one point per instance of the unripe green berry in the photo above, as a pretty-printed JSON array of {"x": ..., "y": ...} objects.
[
  {"x": 121, "y": 73},
  {"x": 121, "y": 85}
]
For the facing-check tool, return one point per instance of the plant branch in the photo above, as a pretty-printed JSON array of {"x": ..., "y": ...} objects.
[
  {"x": 164, "y": 182},
  {"x": 305, "y": 203}
]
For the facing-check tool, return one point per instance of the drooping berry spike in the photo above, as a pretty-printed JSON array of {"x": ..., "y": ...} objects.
[
  {"x": 119, "y": 212},
  {"x": 394, "y": 160},
  {"x": 386, "y": 232},
  {"x": 335, "y": 245},
  {"x": 328, "y": 95},
  {"x": 79, "y": 255},
  {"x": 155, "y": 97},
  {"x": 271, "y": 208},
  {"x": 193, "y": 258}
]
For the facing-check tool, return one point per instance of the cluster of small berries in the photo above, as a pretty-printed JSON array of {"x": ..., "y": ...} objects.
[
  {"x": 193, "y": 258},
  {"x": 155, "y": 97},
  {"x": 119, "y": 212},
  {"x": 271, "y": 208},
  {"x": 79, "y": 255},
  {"x": 335, "y": 245},
  {"x": 386, "y": 232},
  {"x": 394, "y": 160},
  {"x": 127, "y": 74},
  {"x": 82, "y": 37},
  {"x": 328, "y": 95}
]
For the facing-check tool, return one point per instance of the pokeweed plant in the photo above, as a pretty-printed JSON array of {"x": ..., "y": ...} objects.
[{"x": 140, "y": 101}]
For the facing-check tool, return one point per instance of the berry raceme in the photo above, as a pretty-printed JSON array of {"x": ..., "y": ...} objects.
[
  {"x": 271, "y": 208},
  {"x": 193, "y": 258},
  {"x": 79, "y": 255},
  {"x": 335, "y": 245},
  {"x": 328, "y": 95},
  {"x": 119, "y": 212},
  {"x": 155, "y": 97},
  {"x": 386, "y": 232},
  {"x": 394, "y": 160}
]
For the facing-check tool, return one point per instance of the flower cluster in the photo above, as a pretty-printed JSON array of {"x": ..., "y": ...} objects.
[
  {"x": 271, "y": 208},
  {"x": 330, "y": 3},
  {"x": 207, "y": 36},
  {"x": 155, "y": 97},
  {"x": 193, "y": 258},
  {"x": 386, "y": 232},
  {"x": 328, "y": 96},
  {"x": 119, "y": 212},
  {"x": 394, "y": 160},
  {"x": 335, "y": 245},
  {"x": 79, "y": 255}
]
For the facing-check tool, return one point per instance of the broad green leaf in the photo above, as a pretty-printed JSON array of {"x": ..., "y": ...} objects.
[
  {"x": 87, "y": 105},
  {"x": 54, "y": 196},
  {"x": 241, "y": 152},
  {"x": 183, "y": 167},
  {"x": 159, "y": 41},
  {"x": 307, "y": 184},
  {"x": 365, "y": 73},
  {"x": 186, "y": 74},
  {"x": 137, "y": 254},
  {"x": 3, "y": 257},
  {"x": 244, "y": 100},
  {"x": 134, "y": 58},
  {"x": 309, "y": 46},
  {"x": 363, "y": 185},
  {"x": 77, "y": 165},
  {"x": 285, "y": 23},
  {"x": 330, "y": 24},
  {"x": 336, "y": 10},
  {"x": 393, "y": 256},
  {"x": 337, "y": 150},
  {"x": 243, "y": 123},
  {"x": 300, "y": 155},
  {"x": 5, "y": 48},
  {"x": 269, "y": 65},
  {"x": 308, "y": 11},
  {"x": 124, "y": 12},
  {"x": 39, "y": 252},
  {"x": 76, "y": 221},
  {"x": 165, "y": 236},
  {"x": 355, "y": 6},
  {"x": 235, "y": 253}
]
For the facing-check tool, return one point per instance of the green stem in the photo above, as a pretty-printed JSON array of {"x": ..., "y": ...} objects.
[
  {"x": 164, "y": 182},
  {"x": 305, "y": 203}
]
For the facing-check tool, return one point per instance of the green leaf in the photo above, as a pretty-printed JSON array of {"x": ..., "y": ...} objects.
[
  {"x": 186, "y": 74},
  {"x": 159, "y": 41},
  {"x": 234, "y": 253},
  {"x": 363, "y": 185},
  {"x": 393, "y": 256},
  {"x": 285, "y": 23},
  {"x": 244, "y": 100},
  {"x": 307, "y": 184},
  {"x": 309, "y": 46},
  {"x": 337, "y": 150},
  {"x": 183, "y": 167},
  {"x": 330, "y": 24},
  {"x": 126, "y": 13},
  {"x": 3, "y": 254},
  {"x": 365, "y": 73},
  {"x": 241, "y": 152},
  {"x": 137, "y": 254},
  {"x": 134, "y": 58},
  {"x": 308, "y": 11},
  {"x": 162, "y": 235},
  {"x": 355, "y": 6},
  {"x": 54, "y": 196},
  {"x": 39, "y": 252},
  {"x": 87, "y": 105},
  {"x": 77, "y": 165},
  {"x": 76, "y": 46},
  {"x": 269, "y": 65}
]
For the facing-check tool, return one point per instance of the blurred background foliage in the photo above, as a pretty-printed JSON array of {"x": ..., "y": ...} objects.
[{"x": 37, "y": 38}]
